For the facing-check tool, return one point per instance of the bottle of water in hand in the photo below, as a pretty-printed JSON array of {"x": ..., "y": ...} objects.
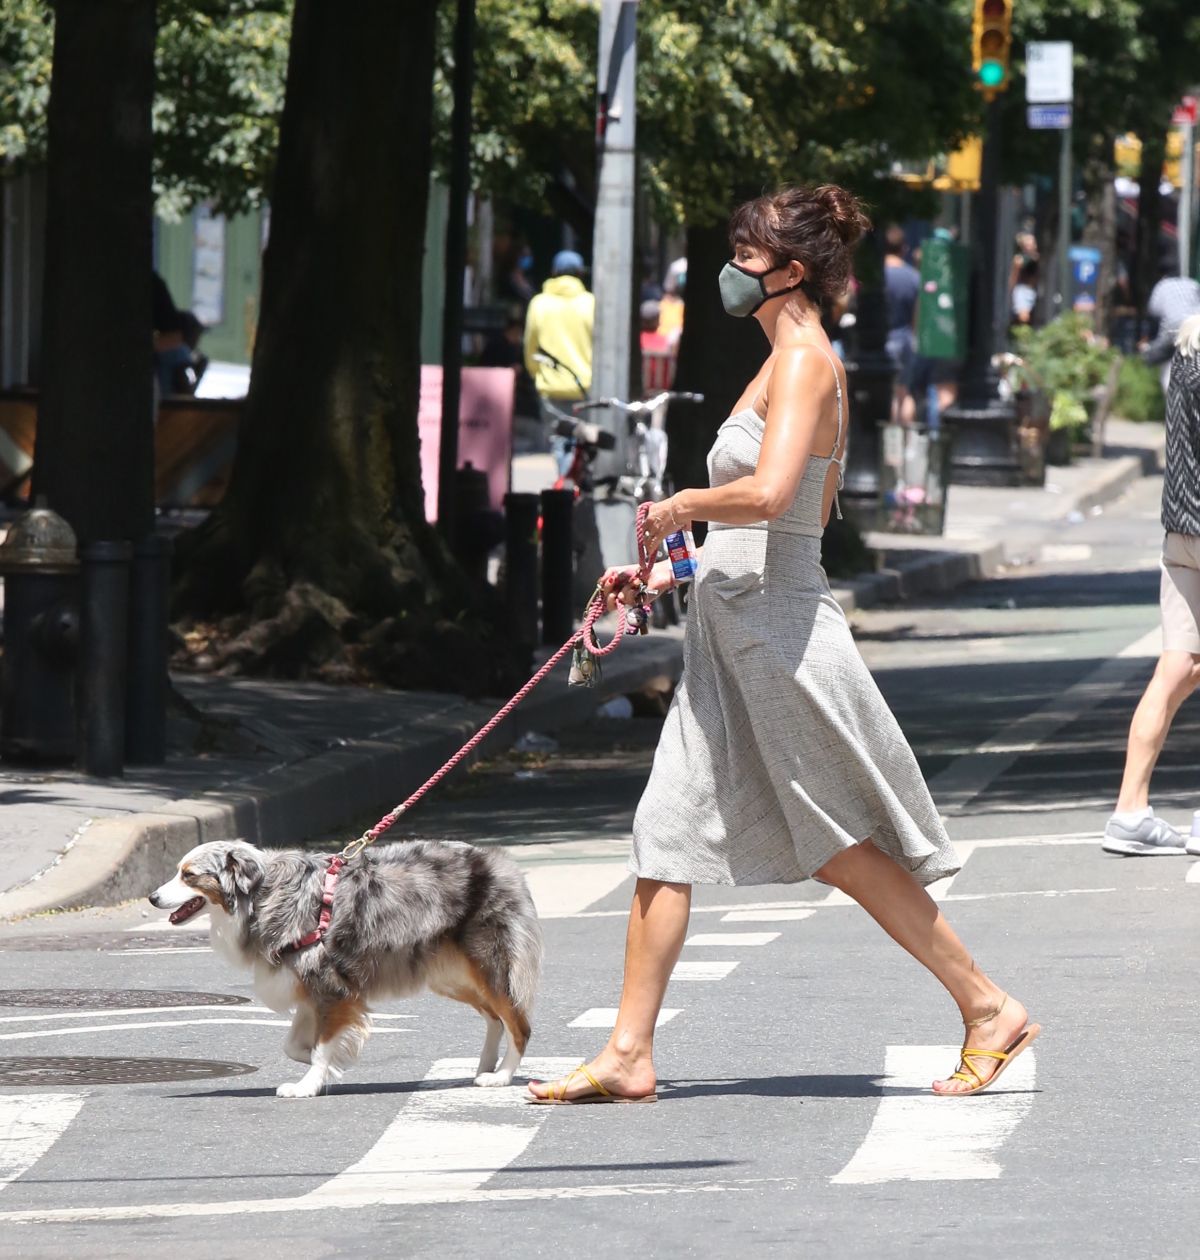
[{"x": 681, "y": 551}]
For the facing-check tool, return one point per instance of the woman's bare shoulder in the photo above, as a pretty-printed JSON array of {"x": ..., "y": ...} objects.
[{"x": 804, "y": 368}]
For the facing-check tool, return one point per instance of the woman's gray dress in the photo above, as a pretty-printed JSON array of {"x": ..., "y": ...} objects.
[{"x": 778, "y": 751}]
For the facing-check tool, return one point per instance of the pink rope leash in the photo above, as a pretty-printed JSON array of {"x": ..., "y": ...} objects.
[{"x": 585, "y": 635}]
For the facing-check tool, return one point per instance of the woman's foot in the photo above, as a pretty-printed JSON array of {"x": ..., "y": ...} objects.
[
  {"x": 995, "y": 1028},
  {"x": 623, "y": 1076}
]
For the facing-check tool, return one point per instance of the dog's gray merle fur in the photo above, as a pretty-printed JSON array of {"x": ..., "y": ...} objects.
[{"x": 450, "y": 917}]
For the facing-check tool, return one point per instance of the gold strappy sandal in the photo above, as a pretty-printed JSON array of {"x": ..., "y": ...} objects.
[
  {"x": 558, "y": 1092},
  {"x": 966, "y": 1072}
]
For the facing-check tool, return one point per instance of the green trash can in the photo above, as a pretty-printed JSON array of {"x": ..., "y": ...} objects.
[{"x": 914, "y": 476}]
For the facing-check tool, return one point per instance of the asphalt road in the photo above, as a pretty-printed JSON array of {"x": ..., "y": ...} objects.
[{"x": 795, "y": 1047}]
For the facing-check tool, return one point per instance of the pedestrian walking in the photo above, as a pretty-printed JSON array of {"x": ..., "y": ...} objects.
[
  {"x": 1134, "y": 828},
  {"x": 1172, "y": 300},
  {"x": 901, "y": 288},
  {"x": 779, "y": 759},
  {"x": 558, "y": 338}
]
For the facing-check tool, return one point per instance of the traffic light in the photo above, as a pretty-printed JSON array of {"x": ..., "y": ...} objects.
[{"x": 991, "y": 43}]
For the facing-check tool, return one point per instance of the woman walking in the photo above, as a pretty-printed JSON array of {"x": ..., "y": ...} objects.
[{"x": 779, "y": 759}]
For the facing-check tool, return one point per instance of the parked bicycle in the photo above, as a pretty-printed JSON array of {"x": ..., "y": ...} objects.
[{"x": 645, "y": 479}]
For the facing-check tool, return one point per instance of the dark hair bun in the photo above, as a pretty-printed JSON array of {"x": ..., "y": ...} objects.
[
  {"x": 818, "y": 227},
  {"x": 846, "y": 211}
]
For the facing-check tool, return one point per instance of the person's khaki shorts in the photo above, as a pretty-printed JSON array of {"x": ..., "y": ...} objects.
[{"x": 1180, "y": 593}]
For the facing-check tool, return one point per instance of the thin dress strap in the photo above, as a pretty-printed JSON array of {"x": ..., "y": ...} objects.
[{"x": 835, "y": 458}]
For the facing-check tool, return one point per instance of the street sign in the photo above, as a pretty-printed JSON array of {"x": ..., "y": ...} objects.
[
  {"x": 1085, "y": 275},
  {"x": 1186, "y": 112},
  {"x": 1048, "y": 117},
  {"x": 1049, "y": 72}
]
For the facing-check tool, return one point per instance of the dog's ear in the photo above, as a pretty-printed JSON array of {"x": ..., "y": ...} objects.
[{"x": 243, "y": 870}]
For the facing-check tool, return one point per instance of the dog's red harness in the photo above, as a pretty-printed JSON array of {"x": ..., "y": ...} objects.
[{"x": 331, "y": 882}]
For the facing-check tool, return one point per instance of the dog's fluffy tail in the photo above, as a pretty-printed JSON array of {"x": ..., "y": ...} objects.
[{"x": 524, "y": 939}]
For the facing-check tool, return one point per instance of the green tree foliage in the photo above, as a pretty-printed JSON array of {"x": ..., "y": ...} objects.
[
  {"x": 731, "y": 95},
  {"x": 220, "y": 67}
]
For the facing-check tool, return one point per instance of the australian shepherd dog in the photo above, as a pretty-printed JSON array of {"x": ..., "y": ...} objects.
[{"x": 449, "y": 917}]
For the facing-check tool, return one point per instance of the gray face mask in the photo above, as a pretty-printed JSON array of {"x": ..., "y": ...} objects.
[{"x": 744, "y": 291}]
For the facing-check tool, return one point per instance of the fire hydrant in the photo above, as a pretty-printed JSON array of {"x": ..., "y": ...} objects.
[{"x": 39, "y": 563}]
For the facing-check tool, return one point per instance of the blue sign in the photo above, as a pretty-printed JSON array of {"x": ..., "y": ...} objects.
[
  {"x": 1048, "y": 117},
  {"x": 1085, "y": 273}
]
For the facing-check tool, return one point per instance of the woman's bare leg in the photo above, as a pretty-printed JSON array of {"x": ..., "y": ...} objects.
[
  {"x": 906, "y": 912},
  {"x": 658, "y": 921}
]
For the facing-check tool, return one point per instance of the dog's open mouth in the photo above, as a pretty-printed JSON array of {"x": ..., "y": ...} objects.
[{"x": 188, "y": 909}]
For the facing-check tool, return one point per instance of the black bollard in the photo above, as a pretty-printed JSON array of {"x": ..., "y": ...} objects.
[
  {"x": 103, "y": 620},
  {"x": 146, "y": 689},
  {"x": 558, "y": 619},
  {"x": 521, "y": 566},
  {"x": 474, "y": 530}
]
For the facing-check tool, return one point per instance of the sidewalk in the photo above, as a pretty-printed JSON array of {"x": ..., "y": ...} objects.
[
  {"x": 988, "y": 527},
  {"x": 277, "y": 762}
]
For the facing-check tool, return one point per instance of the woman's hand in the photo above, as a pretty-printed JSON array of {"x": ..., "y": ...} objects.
[
  {"x": 663, "y": 519},
  {"x": 620, "y": 586},
  {"x": 623, "y": 586}
]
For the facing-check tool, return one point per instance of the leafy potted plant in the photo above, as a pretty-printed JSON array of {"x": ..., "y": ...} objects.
[{"x": 1069, "y": 363}]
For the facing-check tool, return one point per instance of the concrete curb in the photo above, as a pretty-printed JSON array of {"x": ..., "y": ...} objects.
[
  {"x": 929, "y": 573},
  {"x": 115, "y": 859}
]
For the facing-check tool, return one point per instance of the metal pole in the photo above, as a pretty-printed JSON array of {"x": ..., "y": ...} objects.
[
  {"x": 977, "y": 385},
  {"x": 456, "y": 261},
  {"x": 1065, "y": 179},
  {"x": 612, "y": 248},
  {"x": 1187, "y": 180}
]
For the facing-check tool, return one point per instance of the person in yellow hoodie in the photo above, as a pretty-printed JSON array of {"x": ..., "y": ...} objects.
[{"x": 558, "y": 325}]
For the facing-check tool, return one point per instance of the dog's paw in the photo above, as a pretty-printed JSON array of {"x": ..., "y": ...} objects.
[
  {"x": 300, "y": 1053},
  {"x": 489, "y": 1080},
  {"x": 297, "y": 1089}
]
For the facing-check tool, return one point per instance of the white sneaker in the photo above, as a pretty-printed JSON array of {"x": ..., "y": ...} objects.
[{"x": 1148, "y": 837}]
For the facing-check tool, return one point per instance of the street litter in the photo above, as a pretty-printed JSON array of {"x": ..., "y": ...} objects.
[
  {"x": 533, "y": 741},
  {"x": 617, "y": 707}
]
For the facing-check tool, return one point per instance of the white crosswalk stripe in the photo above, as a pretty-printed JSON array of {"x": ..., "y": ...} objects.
[
  {"x": 606, "y": 1017},
  {"x": 30, "y": 1124},
  {"x": 917, "y": 1136},
  {"x": 766, "y": 916},
  {"x": 707, "y": 969},
  {"x": 732, "y": 938},
  {"x": 434, "y": 1151}
]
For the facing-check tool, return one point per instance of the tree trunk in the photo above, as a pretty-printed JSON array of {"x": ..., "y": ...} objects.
[
  {"x": 94, "y": 459},
  {"x": 1100, "y": 230},
  {"x": 321, "y": 537},
  {"x": 717, "y": 357}
]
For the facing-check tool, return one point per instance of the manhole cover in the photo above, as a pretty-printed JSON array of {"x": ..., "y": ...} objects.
[
  {"x": 114, "y": 999},
  {"x": 82, "y": 1070}
]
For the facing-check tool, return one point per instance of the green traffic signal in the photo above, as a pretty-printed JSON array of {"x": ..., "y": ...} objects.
[{"x": 991, "y": 73}]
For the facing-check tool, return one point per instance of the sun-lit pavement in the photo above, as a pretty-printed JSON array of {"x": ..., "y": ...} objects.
[{"x": 796, "y": 1042}]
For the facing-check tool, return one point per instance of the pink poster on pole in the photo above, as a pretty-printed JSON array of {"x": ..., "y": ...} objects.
[{"x": 485, "y": 419}]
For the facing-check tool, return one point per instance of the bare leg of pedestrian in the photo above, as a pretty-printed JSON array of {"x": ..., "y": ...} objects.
[
  {"x": 1175, "y": 678},
  {"x": 658, "y": 922},
  {"x": 1133, "y": 828},
  {"x": 907, "y": 913}
]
